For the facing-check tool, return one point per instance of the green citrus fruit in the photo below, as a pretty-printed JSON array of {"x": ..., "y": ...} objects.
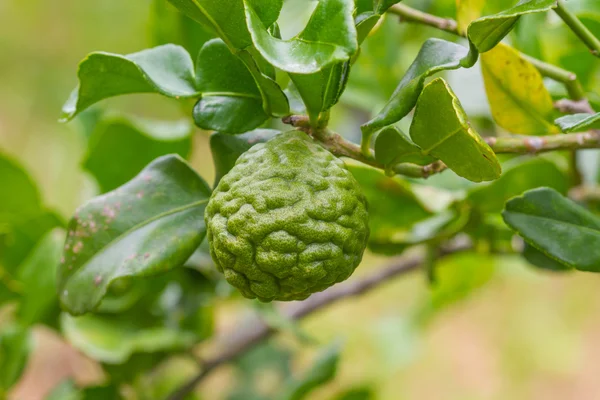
[{"x": 288, "y": 220}]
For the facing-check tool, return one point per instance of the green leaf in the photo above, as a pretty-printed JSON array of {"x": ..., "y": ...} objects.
[
  {"x": 322, "y": 371},
  {"x": 227, "y": 19},
  {"x": 435, "y": 55},
  {"x": 37, "y": 278},
  {"x": 15, "y": 346},
  {"x": 24, "y": 200},
  {"x": 67, "y": 390},
  {"x": 357, "y": 394},
  {"x": 113, "y": 340},
  {"x": 226, "y": 149},
  {"x": 556, "y": 226},
  {"x": 516, "y": 179},
  {"x": 515, "y": 89},
  {"x": 329, "y": 38},
  {"x": 540, "y": 260},
  {"x": 440, "y": 127},
  {"x": 167, "y": 70},
  {"x": 486, "y": 32},
  {"x": 231, "y": 101},
  {"x": 394, "y": 207},
  {"x": 120, "y": 147},
  {"x": 578, "y": 122},
  {"x": 365, "y": 22},
  {"x": 322, "y": 90},
  {"x": 150, "y": 225},
  {"x": 382, "y": 6},
  {"x": 168, "y": 25},
  {"x": 392, "y": 146},
  {"x": 282, "y": 323}
]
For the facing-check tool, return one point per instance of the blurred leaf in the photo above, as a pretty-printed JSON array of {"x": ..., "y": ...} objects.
[
  {"x": 227, "y": 19},
  {"x": 440, "y": 127},
  {"x": 226, "y": 149},
  {"x": 167, "y": 70},
  {"x": 540, "y": 260},
  {"x": 121, "y": 147},
  {"x": 15, "y": 346},
  {"x": 530, "y": 174},
  {"x": 393, "y": 206},
  {"x": 168, "y": 25},
  {"x": 357, "y": 394},
  {"x": 436, "y": 55},
  {"x": 486, "y": 32},
  {"x": 528, "y": 34},
  {"x": 281, "y": 323},
  {"x": 329, "y": 38},
  {"x": 67, "y": 390},
  {"x": 231, "y": 102},
  {"x": 150, "y": 225},
  {"x": 392, "y": 146},
  {"x": 37, "y": 278},
  {"x": 578, "y": 122},
  {"x": 169, "y": 376},
  {"x": 113, "y": 340},
  {"x": 24, "y": 200},
  {"x": 519, "y": 100},
  {"x": 466, "y": 12},
  {"x": 321, "y": 372},
  {"x": 548, "y": 221}
]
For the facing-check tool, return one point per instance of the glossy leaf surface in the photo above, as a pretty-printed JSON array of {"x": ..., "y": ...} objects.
[
  {"x": 557, "y": 227},
  {"x": 578, "y": 122},
  {"x": 150, "y": 225},
  {"x": 440, "y": 127}
]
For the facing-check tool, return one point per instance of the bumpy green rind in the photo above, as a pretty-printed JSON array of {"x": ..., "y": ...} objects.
[{"x": 288, "y": 220}]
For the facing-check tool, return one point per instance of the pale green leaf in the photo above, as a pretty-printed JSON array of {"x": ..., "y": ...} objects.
[{"x": 578, "y": 122}]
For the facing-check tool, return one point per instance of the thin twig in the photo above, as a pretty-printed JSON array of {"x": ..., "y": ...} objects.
[
  {"x": 571, "y": 20},
  {"x": 245, "y": 338}
]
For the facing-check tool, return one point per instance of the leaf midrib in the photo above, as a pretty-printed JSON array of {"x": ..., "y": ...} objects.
[{"x": 595, "y": 232}]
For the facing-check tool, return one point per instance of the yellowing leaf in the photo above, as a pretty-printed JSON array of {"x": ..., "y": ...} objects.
[
  {"x": 519, "y": 100},
  {"x": 466, "y": 12}
]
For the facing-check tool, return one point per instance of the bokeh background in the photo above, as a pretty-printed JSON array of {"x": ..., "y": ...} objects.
[{"x": 523, "y": 334}]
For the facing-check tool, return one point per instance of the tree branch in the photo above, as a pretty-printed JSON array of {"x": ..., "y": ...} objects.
[{"x": 245, "y": 338}]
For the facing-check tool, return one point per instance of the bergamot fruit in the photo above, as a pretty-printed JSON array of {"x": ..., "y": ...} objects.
[{"x": 288, "y": 220}]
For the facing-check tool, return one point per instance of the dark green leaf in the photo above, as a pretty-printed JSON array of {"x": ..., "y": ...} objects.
[
  {"x": 530, "y": 174},
  {"x": 150, "y": 225},
  {"x": 392, "y": 146},
  {"x": 231, "y": 101},
  {"x": 226, "y": 149},
  {"x": 322, "y": 371},
  {"x": 540, "y": 260},
  {"x": 329, "y": 38},
  {"x": 440, "y": 127},
  {"x": 227, "y": 19},
  {"x": 15, "y": 345},
  {"x": 357, "y": 394},
  {"x": 121, "y": 147},
  {"x": 167, "y": 70},
  {"x": 486, "y": 32},
  {"x": 37, "y": 277},
  {"x": 435, "y": 55},
  {"x": 579, "y": 122},
  {"x": 393, "y": 206},
  {"x": 382, "y": 6},
  {"x": 557, "y": 227},
  {"x": 365, "y": 23}
]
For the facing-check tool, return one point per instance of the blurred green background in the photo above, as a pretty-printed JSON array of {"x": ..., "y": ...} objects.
[{"x": 525, "y": 334}]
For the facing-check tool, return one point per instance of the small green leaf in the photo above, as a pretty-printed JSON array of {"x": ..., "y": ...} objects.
[
  {"x": 357, "y": 394},
  {"x": 540, "y": 260},
  {"x": 516, "y": 179},
  {"x": 24, "y": 200},
  {"x": 167, "y": 70},
  {"x": 113, "y": 340},
  {"x": 15, "y": 346},
  {"x": 435, "y": 55},
  {"x": 392, "y": 146},
  {"x": 67, "y": 390},
  {"x": 557, "y": 227},
  {"x": 227, "y": 19},
  {"x": 322, "y": 371},
  {"x": 120, "y": 147},
  {"x": 394, "y": 207},
  {"x": 231, "y": 102},
  {"x": 329, "y": 38},
  {"x": 486, "y": 32},
  {"x": 578, "y": 122},
  {"x": 365, "y": 22},
  {"x": 515, "y": 89},
  {"x": 150, "y": 225},
  {"x": 440, "y": 127},
  {"x": 37, "y": 277},
  {"x": 226, "y": 149},
  {"x": 382, "y": 6}
]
